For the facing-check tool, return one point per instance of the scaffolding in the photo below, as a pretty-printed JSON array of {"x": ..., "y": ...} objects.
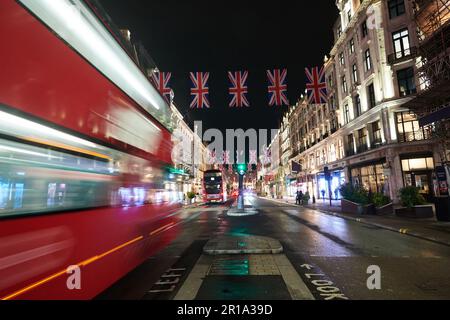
[
  {"x": 432, "y": 102},
  {"x": 432, "y": 18}
]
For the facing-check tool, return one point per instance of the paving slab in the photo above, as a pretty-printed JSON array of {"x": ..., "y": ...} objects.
[{"x": 229, "y": 244}]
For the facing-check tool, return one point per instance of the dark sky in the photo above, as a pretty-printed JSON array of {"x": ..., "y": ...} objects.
[{"x": 220, "y": 36}]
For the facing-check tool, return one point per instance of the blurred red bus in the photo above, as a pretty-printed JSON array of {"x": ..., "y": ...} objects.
[{"x": 84, "y": 138}]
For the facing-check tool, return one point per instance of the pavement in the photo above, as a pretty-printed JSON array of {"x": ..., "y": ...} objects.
[
  {"x": 322, "y": 257},
  {"x": 427, "y": 229},
  {"x": 242, "y": 244}
]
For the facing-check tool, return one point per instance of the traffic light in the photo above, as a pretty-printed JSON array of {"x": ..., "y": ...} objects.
[
  {"x": 241, "y": 169},
  {"x": 327, "y": 173}
]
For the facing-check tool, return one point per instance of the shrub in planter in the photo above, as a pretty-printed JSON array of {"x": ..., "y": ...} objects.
[
  {"x": 356, "y": 194},
  {"x": 306, "y": 198},
  {"x": 356, "y": 199},
  {"x": 380, "y": 200},
  {"x": 414, "y": 203},
  {"x": 383, "y": 204},
  {"x": 191, "y": 195},
  {"x": 410, "y": 197}
]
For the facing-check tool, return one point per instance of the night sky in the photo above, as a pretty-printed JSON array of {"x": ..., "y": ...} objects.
[{"x": 221, "y": 36}]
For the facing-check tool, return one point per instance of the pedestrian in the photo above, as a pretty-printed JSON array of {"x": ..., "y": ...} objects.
[
  {"x": 297, "y": 197},
  {"x": 300, "y": 197}
]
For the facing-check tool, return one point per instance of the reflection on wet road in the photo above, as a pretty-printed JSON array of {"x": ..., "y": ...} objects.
[{"x": 340, "y": 251}]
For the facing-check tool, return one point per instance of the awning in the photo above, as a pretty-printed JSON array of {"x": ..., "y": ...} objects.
[{"x": 436, "y": 116}]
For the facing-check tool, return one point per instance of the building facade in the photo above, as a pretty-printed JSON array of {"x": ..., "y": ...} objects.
[{"x": 365, "y": 134}]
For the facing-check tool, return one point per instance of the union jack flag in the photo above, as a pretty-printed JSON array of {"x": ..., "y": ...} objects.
[
  {"x": 253, "y": 157},
  {"x": 199, "y": 90},
  {"x": 238, "y": 89},
  {"x": 277, "y": 87},
  {"x": 161, "y": 80},
  {"x": 317, "y": 87}
]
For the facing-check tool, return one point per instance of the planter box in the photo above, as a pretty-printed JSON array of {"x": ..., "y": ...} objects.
[
  {"x": 420, "y": 212},
  {"x": 385, "y": 210},
  {"x": 351, "y": 207},
  {"x": 442, "y": 205}
]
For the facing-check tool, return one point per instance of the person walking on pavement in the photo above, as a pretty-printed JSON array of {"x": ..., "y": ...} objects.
[{"x": 299, "y": 198}]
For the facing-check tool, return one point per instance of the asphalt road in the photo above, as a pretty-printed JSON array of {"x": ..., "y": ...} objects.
[{"x": 331, "y": 255}]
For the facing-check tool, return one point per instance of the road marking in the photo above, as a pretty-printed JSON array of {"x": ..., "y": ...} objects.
[
  {"x": 170, "y": 278},
  {"x": 294, "y": 283},
  {"x": 191, "y": 286},
  {"x": 324, "y": 287},
  {"x": 262, "y": 265}
]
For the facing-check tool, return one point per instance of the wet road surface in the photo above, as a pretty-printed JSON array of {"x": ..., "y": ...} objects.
[{"x": 327, "y": 256}]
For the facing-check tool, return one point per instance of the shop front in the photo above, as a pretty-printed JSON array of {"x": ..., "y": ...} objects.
[
  {"x": 337, "y": 179},
  {"x": 291, "y": 186},
  {"x": 302, "y": 184},
  {"x": 417, "y": 171},
  {"x": 370, "y": 175}
]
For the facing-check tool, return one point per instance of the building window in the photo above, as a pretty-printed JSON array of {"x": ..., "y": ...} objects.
[
  {"x": 364, "y": 29},
  {"x": 376, "y": 134},
  {"x": 341, "y": 59},
  {"x": 418, "y": 164},
  {"x": 341, "y": 152},
  {"x": 371, "y": 177},
  {"x": 408, "y": 128},
  {"x": 371, "y": 96},
  {"x": 330, "y": 82},
  {"x": 346, "y": 114},
  {"x": 349, "y": 15},
  {"x": 351, "y": 46},
  {"x": 406, "y": 82},
  {"x": 332, "y": 103},
  {"x": 357, "y": 106},
  {"x": 344, "y": 85},
  {"x": 401, "y": 43},
  {"x": 339, "y": 31},
  {"x": 351, "y": 145},
  {"x": 362, "y": 140},
  {"x": 367, "y": 60},
  {"x": 396, "y": 8},
  {"x": 355, "y": 73}
]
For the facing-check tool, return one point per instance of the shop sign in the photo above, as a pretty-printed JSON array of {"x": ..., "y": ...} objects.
[{"x": 442, "y": 180}]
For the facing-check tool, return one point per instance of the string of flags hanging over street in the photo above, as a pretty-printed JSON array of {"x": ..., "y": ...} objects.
[{"x": 277, "y": 87}]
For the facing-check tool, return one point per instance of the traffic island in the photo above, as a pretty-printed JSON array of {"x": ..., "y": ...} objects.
[
  {"x": 234, "y": 212},
  {"x": 242, "y": 245},
  {"x": 242, "y": 208}
]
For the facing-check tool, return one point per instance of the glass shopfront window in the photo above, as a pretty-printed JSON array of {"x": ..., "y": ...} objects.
[
  {"x": 371, "y": 177},
  {"x": 337, "y": 179},
  {"x": 417, "y": 172},
  {"x": 408, "y": 128}
]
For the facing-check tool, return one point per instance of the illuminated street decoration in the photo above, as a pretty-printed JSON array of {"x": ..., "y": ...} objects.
[
  {"x": 199, "y": 90},
  {"x": 277, "y": 87},
  {"x": 317, "y": 88},
  {"x": 162, "y": 80},
  {"x": 238, "y": 89}
]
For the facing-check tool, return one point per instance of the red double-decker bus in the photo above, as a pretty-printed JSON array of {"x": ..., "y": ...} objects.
[
  {"x": 84, "y": 138},
  {"x": 214, "y": 186}
]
